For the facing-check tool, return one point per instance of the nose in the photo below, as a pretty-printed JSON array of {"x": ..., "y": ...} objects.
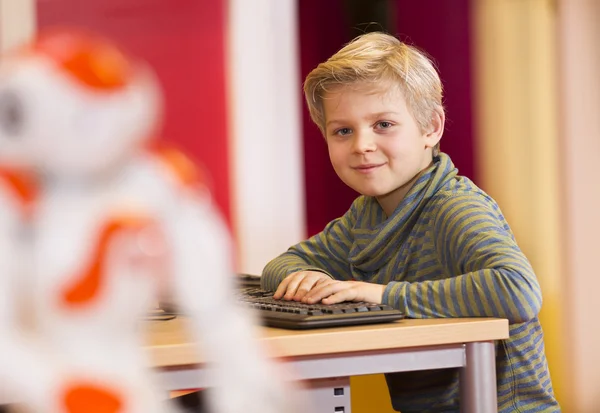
[{"x": 363, "y": 142}]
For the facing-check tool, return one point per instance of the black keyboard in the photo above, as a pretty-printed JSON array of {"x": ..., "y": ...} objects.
[
  {"x": 295, "y": 315},
  {"x": 248, "y": 280}
]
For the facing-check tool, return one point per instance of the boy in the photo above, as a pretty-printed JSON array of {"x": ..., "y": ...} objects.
[{"x": 420, "y": 238}]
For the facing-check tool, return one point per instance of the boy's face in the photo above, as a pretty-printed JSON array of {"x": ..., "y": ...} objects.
[{"x": 375, "y": 144}]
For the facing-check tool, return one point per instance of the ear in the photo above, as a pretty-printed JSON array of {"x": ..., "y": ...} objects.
[{"x": 436, "y": 128}]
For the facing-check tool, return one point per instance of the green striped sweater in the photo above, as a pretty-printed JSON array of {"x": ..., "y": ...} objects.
[{"x": 447, "y": 251}]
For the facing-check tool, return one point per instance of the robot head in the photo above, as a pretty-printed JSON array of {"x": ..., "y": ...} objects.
[{"x": 73, "y": 105}]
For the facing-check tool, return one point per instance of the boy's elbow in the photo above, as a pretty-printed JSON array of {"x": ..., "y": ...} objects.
[
  {"x": 523, "y": 314},
  {"x": 527, "y": 304}
]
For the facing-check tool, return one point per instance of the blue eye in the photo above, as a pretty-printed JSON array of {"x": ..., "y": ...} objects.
[
  {"x": 384, "y": 124},
  {"x": 343, "y": 131}
]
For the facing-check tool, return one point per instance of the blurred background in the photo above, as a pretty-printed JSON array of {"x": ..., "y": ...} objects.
[{"x": 522, "y": 94}]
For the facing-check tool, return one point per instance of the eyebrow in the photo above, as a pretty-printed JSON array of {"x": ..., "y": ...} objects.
[
  {"x": 341, "y": 122},
  {"x": 382, "y": 114}
]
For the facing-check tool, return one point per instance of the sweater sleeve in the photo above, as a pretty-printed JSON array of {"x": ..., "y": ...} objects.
[
  {"x": 326, "y": 252},
  {"x": 488, "y": 275}
]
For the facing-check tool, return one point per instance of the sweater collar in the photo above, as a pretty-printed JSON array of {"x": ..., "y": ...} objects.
[{"x": 375, "y": 236}]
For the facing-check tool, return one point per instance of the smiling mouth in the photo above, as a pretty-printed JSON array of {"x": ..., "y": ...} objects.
[{"x": 367, "y": 168}]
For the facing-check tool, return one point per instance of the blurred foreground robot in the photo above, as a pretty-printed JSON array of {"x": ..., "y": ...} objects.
[{"x": 96, "y": 225}]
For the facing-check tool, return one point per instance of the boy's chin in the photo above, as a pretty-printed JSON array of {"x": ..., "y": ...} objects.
[{"x": 375, "y": 193}]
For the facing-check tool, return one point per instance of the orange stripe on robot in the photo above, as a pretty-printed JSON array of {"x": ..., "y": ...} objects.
[
  {"x": 88, "y": 285},
  {"x": 89, "y": 59},
  {"x": 181, "y": 166},
  {"x": 21, "y": 185},
  {"x": 91, "y": 398}
]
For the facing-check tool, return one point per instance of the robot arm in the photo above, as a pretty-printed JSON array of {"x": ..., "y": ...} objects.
[
  {"x": 246, "y": 378},
  {"x": 18, "y": 360}
]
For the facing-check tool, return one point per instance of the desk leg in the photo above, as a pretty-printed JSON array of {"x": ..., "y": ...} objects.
[
  {"x": 329, "y": 395},
  {"x": 478, "y": 392}
]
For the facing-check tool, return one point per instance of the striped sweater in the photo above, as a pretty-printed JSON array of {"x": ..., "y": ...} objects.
[{"x": 446, "y": 251}]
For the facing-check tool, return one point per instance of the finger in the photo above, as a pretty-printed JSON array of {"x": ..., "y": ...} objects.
[
  {"x": 282, "y": 288},
  {"x": 293, "y": 284},
  {"x": 323, "y": 290},
  {"x": 307, "y": 284},
  {"x": 347, "y": 294},
  {"x": 324, "y": 278}
]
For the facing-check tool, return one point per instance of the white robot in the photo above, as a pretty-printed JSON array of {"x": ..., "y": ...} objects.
[{"x": 114, "y": 225}]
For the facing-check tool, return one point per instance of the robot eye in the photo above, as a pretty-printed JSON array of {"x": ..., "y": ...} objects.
[{"x": 11, "y": 113}]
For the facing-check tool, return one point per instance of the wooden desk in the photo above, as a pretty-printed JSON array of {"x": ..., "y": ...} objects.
[{"x": 328, "y": 357}]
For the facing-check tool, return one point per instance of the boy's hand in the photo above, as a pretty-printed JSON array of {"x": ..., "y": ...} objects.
[
  {"x": 296, "y": 285},
  {"x": 334, "y": 291}
]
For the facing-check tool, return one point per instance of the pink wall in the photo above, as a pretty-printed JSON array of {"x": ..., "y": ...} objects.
[{"x": 184, "y": 41}]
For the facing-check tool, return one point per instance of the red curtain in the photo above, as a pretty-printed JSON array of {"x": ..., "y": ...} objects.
[
  {"x": 441, "y": 28},
  {"x": 323, "y": 30}
]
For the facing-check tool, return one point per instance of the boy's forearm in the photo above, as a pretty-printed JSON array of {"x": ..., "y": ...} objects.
[
  {"x": 326, "y": 252},
  {"x": 504, "y": 293}
]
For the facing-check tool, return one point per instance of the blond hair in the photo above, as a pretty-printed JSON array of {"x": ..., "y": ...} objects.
[{"x": 377, "y": 58}]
